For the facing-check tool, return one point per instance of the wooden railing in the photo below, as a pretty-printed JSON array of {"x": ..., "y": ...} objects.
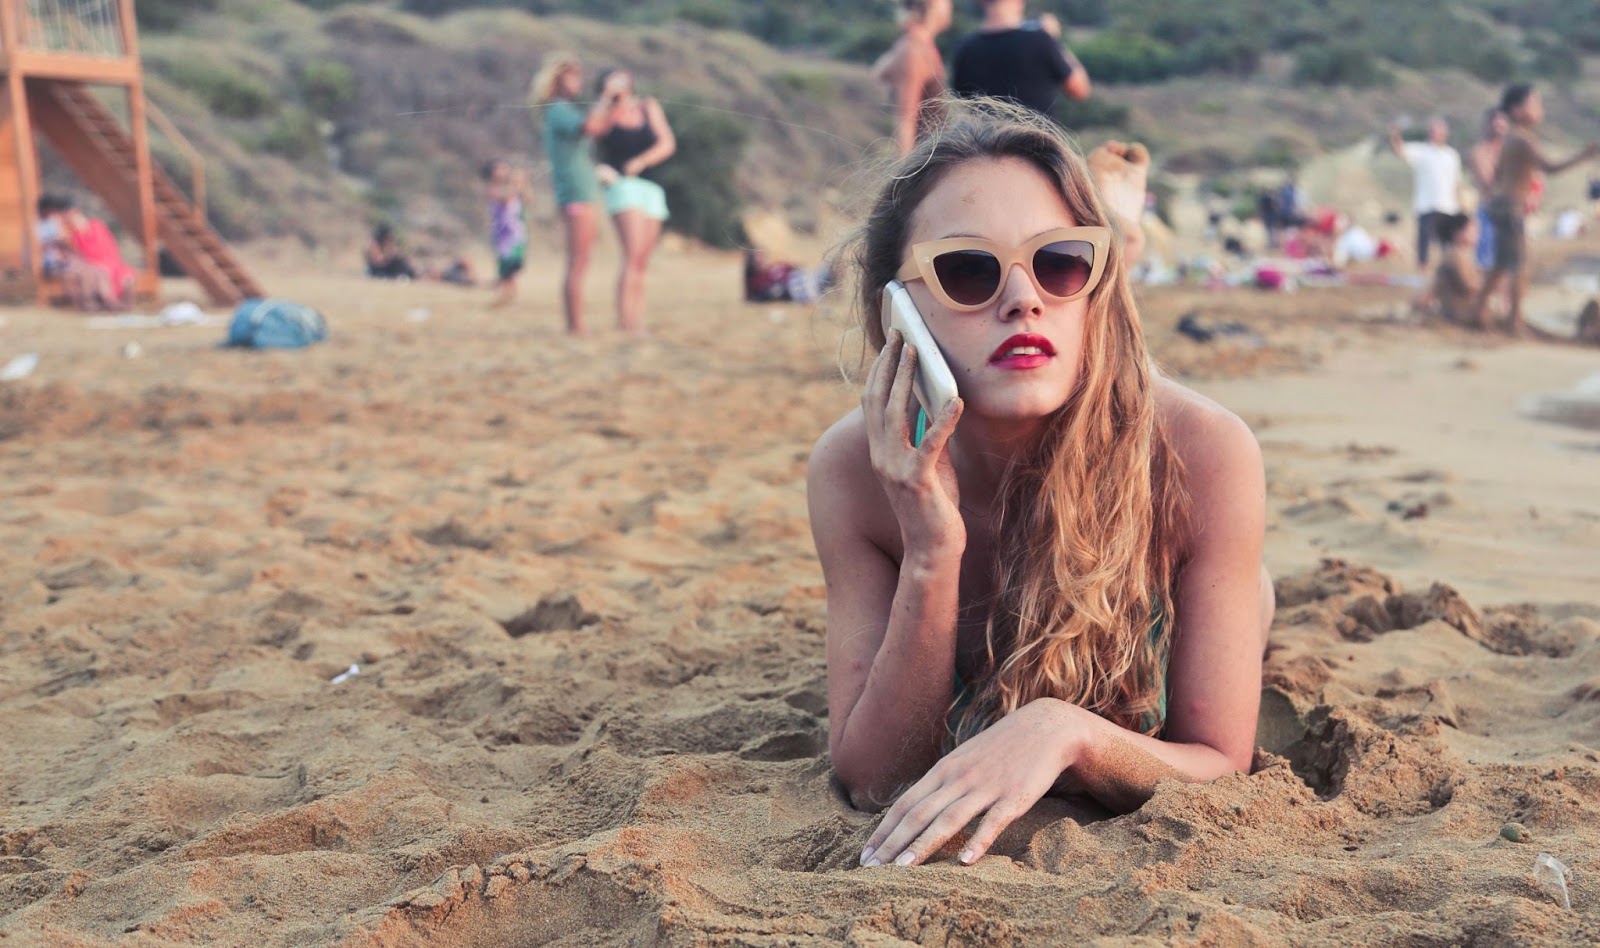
[
  {"x": 197, "y": 164},
  {"x": 80, "y": 27}
]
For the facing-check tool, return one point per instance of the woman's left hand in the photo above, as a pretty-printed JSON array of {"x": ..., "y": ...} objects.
[
  {"x": 631, "y": 169},
  {"x": 999, "y": 774}
]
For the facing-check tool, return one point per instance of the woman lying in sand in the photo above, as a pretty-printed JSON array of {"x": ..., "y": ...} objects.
[{"x": 1060, "y": 587}]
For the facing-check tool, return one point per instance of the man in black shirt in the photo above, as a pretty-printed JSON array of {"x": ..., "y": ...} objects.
[{"x": 1010, "y": 59}]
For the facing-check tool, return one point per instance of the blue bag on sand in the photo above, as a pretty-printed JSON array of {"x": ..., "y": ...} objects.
[{"x": 275, "y": 324}]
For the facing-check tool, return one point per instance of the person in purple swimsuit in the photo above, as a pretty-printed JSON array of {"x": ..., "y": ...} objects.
[{"x": 507, "y": 190}]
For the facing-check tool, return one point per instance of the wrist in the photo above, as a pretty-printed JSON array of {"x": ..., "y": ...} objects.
[
  {"x": 933, "y": 559},
  {"x": 1075, "y": 733}
]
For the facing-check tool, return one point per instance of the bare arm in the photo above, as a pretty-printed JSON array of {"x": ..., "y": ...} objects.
[
  {"x": 1077, "y": 85},
  {"x": 1214, "y": 672},
  {"x": 666, "y": 144},
  {"x": 908, "y": 104},
  {"x": 891, "y": 630},
  {"x": 886, "y": 71},
  {"x": 601, "y": 115},
  {"x": 1556, "y": 167},
  {"x": 1397, "y": 144},
  {"x": 1483, "y": 162}
]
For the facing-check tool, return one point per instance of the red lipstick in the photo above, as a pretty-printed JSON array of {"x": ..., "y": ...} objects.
[{"x": 1027, "y": 350}]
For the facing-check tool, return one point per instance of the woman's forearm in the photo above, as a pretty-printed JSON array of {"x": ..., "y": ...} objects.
[
  {"x": 1120, "y": 768},
  {"x": 599, "y": 119},
  {"x": 895, "y": 731},
  {"x": 650, "y": 157}
]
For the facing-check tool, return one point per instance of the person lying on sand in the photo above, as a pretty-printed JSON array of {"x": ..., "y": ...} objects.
[
  {"x": 1055, "y": 583},
  {"x": 767, "y": 280}
]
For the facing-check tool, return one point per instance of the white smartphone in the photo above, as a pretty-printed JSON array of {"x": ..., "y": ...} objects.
[{"x": 935, "y": 385}]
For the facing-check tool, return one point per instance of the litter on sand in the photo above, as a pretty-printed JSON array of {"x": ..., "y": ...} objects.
[
  {"x": 346, "y": 675},
  {"x": 1551, "y": 875},
  {"x": 20, "y": 367},
  {"x": 177, "y": 314}
]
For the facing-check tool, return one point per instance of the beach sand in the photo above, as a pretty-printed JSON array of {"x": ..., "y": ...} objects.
[{"x": 579, "y": 585}]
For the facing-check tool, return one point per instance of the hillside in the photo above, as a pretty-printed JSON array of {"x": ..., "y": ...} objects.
[{"x": 318, "y": 123}]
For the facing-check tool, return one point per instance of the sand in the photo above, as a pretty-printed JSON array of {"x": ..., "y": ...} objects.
[{"x": 578, "y": 582}]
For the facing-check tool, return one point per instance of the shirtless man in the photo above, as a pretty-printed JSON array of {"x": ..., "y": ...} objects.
[
  {"x": 1483, "y": 159},
  {"x": 1521, "y": 160}
]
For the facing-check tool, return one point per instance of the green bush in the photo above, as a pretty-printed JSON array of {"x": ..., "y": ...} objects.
[
  {"x": 294, "y": 135},
  {"x": 1494, "y": 63},
  {"x": 815, "y": 86},
  {"x": 1338, "y": 64},
  {"x": 225, "y": 91},
  {"x": 699, "y": 179},
  {"x": 1127, "y": 57},
  {"x": 1093, "y": 112},
  {"x": 1080, "y": 12},
  {"x": 1238, "y": 55},
  {"x": 1553, "y": 59},
  {"x": 865, "y": 41},
  {"x": 327, "y": 87},
  {"x": 1572, "y": 20},
  {"x": 713, "y": 14},
  {"x": 1278, "y": 151},
  {"x": 158, "y": 15}
]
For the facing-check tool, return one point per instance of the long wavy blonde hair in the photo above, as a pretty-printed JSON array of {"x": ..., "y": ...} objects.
[{"x": 1089, "y": 515}]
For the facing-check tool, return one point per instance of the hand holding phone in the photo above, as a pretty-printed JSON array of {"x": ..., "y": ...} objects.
[{"x": 935, "y": 384}]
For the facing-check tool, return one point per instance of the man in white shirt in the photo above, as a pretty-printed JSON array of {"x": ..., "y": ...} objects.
[{"x": 1436, "y": 176}]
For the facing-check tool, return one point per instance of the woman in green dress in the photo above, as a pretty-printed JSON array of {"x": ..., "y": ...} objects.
[{"x": 568, "y": 128}]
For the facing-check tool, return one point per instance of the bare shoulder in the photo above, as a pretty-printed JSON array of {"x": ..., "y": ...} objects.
[
  {"x": 1219, "y": 453},
  {"x": 842, "y": 490},
  {"x": 840, "y": 451},
  {"x": 1201, "y": 430}
]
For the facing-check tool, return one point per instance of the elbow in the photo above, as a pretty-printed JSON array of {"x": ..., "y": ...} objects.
[
  {"x": 860, "y": 798},
  {"x": 859, "y": 789},
  {"x": 859, "y": 780}
]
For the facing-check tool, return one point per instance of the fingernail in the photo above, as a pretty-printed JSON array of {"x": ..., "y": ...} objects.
[
  {"x": 967, "y": 857},
  {"x": 905, "y": 858},
  {"x": 874, "y": 861},
  {"x": 866, "y": 855}
]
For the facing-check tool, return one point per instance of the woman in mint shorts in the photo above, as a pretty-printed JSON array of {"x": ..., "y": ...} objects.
[
  {"x": 567, "y": 129},
  {"x": 632, "y": 137}
]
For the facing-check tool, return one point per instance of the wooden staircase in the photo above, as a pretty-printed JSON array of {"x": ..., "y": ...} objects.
[{"x": 91, "y": 141}]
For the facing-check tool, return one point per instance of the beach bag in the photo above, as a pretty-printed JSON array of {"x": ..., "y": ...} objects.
[{"x": 275, "y": 324}]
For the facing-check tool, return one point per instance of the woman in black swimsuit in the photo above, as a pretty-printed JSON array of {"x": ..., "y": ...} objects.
[{"x": 631, "y": 138}]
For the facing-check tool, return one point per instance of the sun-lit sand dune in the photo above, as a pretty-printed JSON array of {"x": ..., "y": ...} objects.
[{"x": 578, "y": 583}]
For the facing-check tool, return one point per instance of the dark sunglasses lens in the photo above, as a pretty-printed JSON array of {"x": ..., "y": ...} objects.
[
  {"x": 1063, "y": 268},
  {"x": 969, "y": 277}
]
